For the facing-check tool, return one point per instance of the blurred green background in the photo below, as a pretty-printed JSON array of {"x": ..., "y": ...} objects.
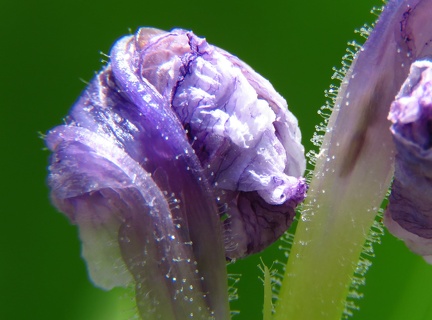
[{"x": 48, "y": 50}]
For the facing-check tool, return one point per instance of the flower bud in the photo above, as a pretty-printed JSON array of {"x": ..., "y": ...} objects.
[
  {"x": 409, "y": 214},
  {"x": 171, "y": 138}
]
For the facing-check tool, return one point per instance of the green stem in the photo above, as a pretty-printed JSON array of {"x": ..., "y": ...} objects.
[{"x": 351, "y": 177}]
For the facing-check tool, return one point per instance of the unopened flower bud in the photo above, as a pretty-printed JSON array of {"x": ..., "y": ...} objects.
[
  {"x": 409, "y": 214},
  {"x": 171, "y": 138}
]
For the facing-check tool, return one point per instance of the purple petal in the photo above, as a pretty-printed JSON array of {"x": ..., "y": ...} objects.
[
  {"x": 242, "y": 132},
  {"x": 126, "y": 220},
  {"x": 409, "y": 214},
  {"x": 173, "y": 134}
]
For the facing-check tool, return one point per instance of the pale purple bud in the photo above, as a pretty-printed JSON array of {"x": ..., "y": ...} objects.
[
  {"x": 173, "y": 136},
  {"x": 409, "y": 214}
]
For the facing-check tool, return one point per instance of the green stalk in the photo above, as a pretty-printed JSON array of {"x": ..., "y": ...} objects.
[
  {"x": 324, "y": 256},
  {"x": 330, "y": 235},
  {"x": 351, "y": 177}
]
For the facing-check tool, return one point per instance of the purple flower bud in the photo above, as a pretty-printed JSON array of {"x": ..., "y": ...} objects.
[
  {"x": 172, "y": 137},
  {"x": 409, "y": 214}
]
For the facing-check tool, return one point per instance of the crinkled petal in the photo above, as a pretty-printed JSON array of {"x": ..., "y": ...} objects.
[
  {"x": 409, "y": 214},
  {"x": 99, "y": 179},
  {"x": 171, "y": 135},
  {"x": 238, "y": 125}
]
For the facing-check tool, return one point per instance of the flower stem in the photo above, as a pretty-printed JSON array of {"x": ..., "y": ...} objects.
[
  {"x": 351, "y": 177},
  {"x": 330, "y": 236}
]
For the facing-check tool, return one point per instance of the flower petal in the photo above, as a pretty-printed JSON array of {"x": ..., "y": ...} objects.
[
  {"x": 409, "y": 214},
  {"x": 171, "y": 135}
]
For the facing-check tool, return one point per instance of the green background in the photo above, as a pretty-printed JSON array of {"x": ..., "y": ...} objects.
[{"x": 48, "y": 48}]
